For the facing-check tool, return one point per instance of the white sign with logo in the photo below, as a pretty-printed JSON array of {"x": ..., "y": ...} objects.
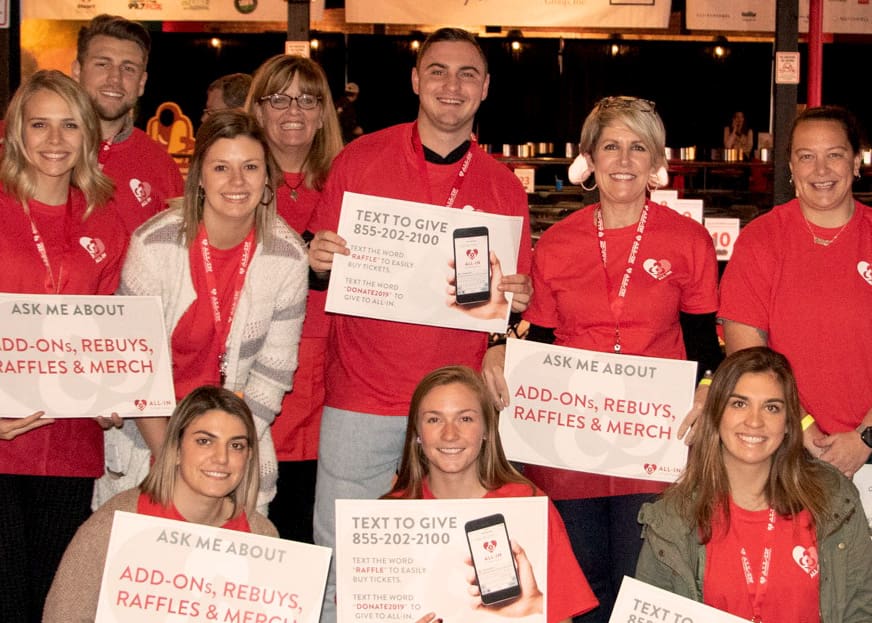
[
  {"x": 423, "y": 264},
  {"x": 638, "y": 602},
  {"x": 173, "y": 571},
  {"x": 397, "y": 560},
  {"x": 82, "y": 356},
  {"x": 160, "y": 10},
  {"x": 863, "y": 482},
  {"x": 724, "y": 232},
  {"x": 756, "y": 16},
  {"x": 603, "y": 413}
]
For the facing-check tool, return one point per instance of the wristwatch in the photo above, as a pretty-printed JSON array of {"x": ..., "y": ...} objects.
[{"x": 866, "y": 436}]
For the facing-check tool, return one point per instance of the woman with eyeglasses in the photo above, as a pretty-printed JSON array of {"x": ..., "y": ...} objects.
[
  {"x": 233, "y": 282},
  {"x": 627, "y": 276},
  {"x": 290, "y": 98}
]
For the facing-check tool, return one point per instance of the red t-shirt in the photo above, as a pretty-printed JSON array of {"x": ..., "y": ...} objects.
[
  {"x": 146, "y": 506},
  {"x": 676, "y": 270},
  {"x": 195, "y": 344},
  {"x": 567, "y": 589},
  {"x": 86, "y": 258},
  {"x": 792, "y": 587},
  {"x": 373, "y": 365}
]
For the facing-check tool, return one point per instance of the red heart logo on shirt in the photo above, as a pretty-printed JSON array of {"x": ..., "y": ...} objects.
[{"x": 806, "y": 558}]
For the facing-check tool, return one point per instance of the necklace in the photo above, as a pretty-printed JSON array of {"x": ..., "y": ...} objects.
[
  {"x": 294, "y": 188},
  {"x": 824, "y": 241}
]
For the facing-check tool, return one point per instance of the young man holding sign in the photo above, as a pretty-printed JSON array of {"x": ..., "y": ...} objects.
[{"x": 374, "y": 365}]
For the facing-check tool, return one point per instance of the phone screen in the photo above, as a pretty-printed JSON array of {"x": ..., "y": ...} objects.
[
  {"x": 472, "y": 265},
  {"x": 493, "y": 560}
]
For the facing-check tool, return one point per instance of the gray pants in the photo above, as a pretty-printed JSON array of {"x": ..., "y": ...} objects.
[{"x": 358, "y": 456}]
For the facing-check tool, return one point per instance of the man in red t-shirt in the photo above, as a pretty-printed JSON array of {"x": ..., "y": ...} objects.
[
  {"x": 110, "y": 65},
  {"x": 373, "y": 366}
]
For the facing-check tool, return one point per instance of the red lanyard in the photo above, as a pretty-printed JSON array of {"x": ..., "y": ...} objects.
[
  {"x": 617, "y": 304},
  {"x": 422, "y": 166},
  {"x": 52, "y": 285},
  {"x": 756, "y": 591},
  {"x": 223, "y": 324}
]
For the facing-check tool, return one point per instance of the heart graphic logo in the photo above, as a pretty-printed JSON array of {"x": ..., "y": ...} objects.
[
  {"x": 659, "y": 269},
  {"x": 490, "y": 546},
  {"x": 95, "y": 248},
  {"x": 140, "y": 404},
  {"x": 650, "y": 468},
  {"x": 807, "y": 559},
  {"x": 472, "y": 253},
  {"x": 141, "y": 190},
  {"x": 865, "y": 270}
]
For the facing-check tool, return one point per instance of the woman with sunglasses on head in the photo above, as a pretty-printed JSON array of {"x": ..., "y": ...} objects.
[
  {"x": 56, "y": 237},
  {"x": 627, "y": 276},
  {"x": 290, "y": 98},
  {"x": 755, "y": 526},
  {"x": 233, "y": 281},
  {"x": 452, "y": 450},
  {"x": 205, "y": 472}
]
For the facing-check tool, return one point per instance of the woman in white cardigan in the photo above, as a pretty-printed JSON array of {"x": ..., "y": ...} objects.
[{"x": 233, "y": 281}]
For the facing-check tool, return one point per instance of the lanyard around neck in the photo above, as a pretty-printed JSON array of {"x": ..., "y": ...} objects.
[
  {"x": 757, "y": 590},
  {"x": 222, "y": 322},
  {"x": 52, "y": 285},
  {"x": 616, "y": 303},
  {"x": 418, "y": 146}
]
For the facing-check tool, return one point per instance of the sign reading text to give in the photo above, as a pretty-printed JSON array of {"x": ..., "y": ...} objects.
[
  {"x": 408, "y": 259},
  {"x": 602, "y": 413},
  {"x": 172, "y": 571},
  {"x": 82, "y": 356},
  {"x": 639, "y": 602},
  {"x": 397, "y": 560}
]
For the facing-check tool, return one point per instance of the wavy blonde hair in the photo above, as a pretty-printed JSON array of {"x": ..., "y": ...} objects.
[{"x": 17, "y": 173}]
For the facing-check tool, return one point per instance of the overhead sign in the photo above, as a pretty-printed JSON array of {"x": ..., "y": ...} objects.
[
  {"x": 757, "y": 16},
  {"x": 166, "y": 10},
  {"x": 566, "y": 13}
]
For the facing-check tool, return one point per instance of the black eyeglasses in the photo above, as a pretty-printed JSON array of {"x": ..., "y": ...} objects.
[
  {"x": 280, "y": 101},
  {"x": 625, "y": 102}
]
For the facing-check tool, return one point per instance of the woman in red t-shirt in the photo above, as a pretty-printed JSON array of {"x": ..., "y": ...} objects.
[
  {"x": 55, "y": 238},
  {"x": 206, "y": 472},
  {"x": 453, "y": 450},
  {"x": 755, "y": 526},
  {"x": 290, "y": 98}
]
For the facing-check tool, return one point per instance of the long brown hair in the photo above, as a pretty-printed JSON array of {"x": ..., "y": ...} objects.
[
  {"x": 494, "y": 470},
  {"x": 796, "y": 481},
  {"x": 160, "y": 482},
  {"x": 274, "y": 76}
]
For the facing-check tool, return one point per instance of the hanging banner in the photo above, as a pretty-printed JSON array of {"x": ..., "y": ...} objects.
[
  {"x": 756, "y": 16},
  {"x": 166, "y": 10},
  {"x": 567, "y": 13}
]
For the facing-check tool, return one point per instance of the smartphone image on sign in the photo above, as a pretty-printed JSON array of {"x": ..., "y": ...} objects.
[
  {"x": 492, "y": 558},
  {"x": 471, "y": 265}
]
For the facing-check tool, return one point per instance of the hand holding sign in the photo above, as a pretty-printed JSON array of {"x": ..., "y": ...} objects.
[{"x": 10, "y": 428}]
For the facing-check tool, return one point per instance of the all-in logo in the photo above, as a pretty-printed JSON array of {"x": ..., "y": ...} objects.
[
  {"x": 659, "y": 269},
  {"x": 95, "y": 248},
  {"x": 865, "y": 270},
  {"x": 807, "y": 559},
  {"x": 489, "y": 546},
  {"x": 140, "y": 404},
  {"x": 472, "y": 254},
  {"x": 141, "y": 190},
  {"x": 650, "y": 468}
]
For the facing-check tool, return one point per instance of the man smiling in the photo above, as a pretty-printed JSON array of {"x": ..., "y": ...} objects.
[{"x": 110, "y": 65}]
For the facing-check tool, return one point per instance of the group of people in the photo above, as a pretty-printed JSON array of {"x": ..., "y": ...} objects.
[{"x": 391, "y": 409}]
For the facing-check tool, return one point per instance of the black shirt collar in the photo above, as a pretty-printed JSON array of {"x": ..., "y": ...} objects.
[{"x": 451, "y": 158}]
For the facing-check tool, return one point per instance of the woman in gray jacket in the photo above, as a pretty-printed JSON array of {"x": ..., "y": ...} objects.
[{"x": 755, "y": 526}]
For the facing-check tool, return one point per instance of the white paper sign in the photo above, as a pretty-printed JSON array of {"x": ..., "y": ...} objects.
[
  {"x": 787, "y": 67},
  {"x": 863, "y": 482},
  {"x": 400, "y": 267},
  {"x": 602, "y": 413},
  {"x": 81, "y": 356},
  {"x": 173, "y": 571},
  {"x": 638, "y": 602},
  {"x": 397, "y": 560},
  {"x": 527, "y": 178},
  {"x": 724, "y": 232},
  {"x": 664, "y": 197}
]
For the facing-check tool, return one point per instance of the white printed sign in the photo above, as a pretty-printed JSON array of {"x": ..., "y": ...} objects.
[
  {"x": 173, "y": 571},
  {"x": 863, "y": 482},
  {"x": 423, "y": 264},
  {"x": 82, "y": 356},
  {"x": 527, "y": 177},
  {"x": 756, "y": 16},
  {"x": 691, "y": 208},
  {"x": 639, "y": 602},
  {"x": 724, "y": 232},
  {"x": 602, "y": 413},
  {"x": 400, "y": 559}
]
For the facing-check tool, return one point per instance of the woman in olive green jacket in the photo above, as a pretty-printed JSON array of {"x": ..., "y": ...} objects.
[{"x": 749, "y": 455}]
